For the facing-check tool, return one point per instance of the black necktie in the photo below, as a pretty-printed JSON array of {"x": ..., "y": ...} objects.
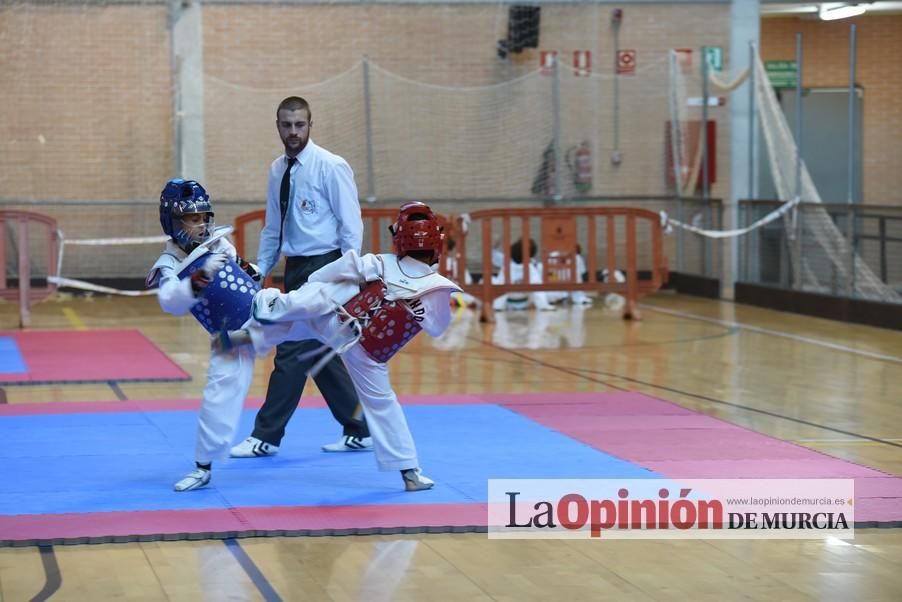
[{"x": 283, "y": 196}]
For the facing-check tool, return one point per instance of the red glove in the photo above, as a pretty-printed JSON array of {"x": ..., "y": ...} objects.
[{"x": 252, "y": 270}]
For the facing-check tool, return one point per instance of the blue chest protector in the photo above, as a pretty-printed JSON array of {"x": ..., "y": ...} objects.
[{"x": 225, "y": 304}]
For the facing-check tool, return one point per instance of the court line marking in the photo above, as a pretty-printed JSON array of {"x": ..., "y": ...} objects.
[
  {"x": 795, "y": 337},
  {"x": 259, "y": 579},
  {"x": 751, "y": 409},
  {"x": 117, "y": 390},
  {"x": 52, "y": 577},
  {"x": 840, "y": 440},
  {"x": 74, "y": 319}
]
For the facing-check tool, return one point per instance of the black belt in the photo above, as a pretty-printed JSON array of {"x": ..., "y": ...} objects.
[{"x": 305, "y": 258}]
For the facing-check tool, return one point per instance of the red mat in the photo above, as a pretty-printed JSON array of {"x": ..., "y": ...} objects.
[
  {"x": 173, "y": 525},
  {"x": 77, "y": 356},
  {"x": 659, "y": 435},
  {"x": 679, "y": 443}
]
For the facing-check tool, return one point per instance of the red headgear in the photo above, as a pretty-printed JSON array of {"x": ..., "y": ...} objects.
[{"x": 417, "y": 229}]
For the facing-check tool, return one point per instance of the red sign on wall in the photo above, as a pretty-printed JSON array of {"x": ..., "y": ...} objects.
[
  {"x": 582, "y": 63},
  {"x": 626, "y": 62},
  {"x": 684, "y": 59}
]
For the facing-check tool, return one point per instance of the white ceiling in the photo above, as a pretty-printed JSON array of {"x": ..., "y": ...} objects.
[{"x": 810, "y": 8}]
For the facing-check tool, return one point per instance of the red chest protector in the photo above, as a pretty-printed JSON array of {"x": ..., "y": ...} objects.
[{"x": 386, "y": 325}]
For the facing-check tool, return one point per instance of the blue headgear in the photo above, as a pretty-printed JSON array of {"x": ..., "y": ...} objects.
[{"x": 184, "y": 197}]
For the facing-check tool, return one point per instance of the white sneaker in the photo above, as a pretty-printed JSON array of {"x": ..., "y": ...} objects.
[
  {"x": 415, "y": 480},
  {"x": 195, "y": 479},
  {"x": 253, "y": 448},
  {"x": 349, "y": 443}
]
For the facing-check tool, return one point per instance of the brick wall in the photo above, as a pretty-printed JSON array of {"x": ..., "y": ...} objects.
[
  {"x": 89, "y": 113},
  {"x": 88, "y": 108},
  {"x": 86, "y": 103},
  {"x": 441, "y": 46}
]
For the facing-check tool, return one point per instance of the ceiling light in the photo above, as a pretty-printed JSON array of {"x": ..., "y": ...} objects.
[{"x": 831, "y": 12}]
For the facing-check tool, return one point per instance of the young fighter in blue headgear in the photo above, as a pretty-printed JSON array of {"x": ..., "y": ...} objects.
[{"x": 199, "y": 271}]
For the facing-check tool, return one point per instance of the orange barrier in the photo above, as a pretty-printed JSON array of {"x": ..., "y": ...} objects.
[
  {"x": 238, "y": 236},
  {"x": 25, "y": 294},
  {"x": 375, "y": 227},
  {"x": 559, "y": 227},
  {"x": 559, "y": 248}
]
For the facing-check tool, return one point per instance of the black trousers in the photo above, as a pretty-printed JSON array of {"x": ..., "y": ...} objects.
[{"x": 286, "y": 383}]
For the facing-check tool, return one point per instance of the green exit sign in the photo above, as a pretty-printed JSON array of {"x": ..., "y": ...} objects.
[
  {"x": 782, "y": 74},
  {"x": 714, "y": 57}
]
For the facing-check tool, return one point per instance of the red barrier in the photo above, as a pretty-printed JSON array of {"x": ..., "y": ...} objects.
[
  {"x": 25, "y": 294},
  {"x": 375, "y": 224},
  {"x": 559, "y": 248},
  {"x": 559, "y": 227}
]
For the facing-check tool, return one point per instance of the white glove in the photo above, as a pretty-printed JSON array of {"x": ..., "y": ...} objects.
[
  {"x": 204, "y": 276},
  {"x": 213, "y": 264},
  {"x": 263, "y": 303}
]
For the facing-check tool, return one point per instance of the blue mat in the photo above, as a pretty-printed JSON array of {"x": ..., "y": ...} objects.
[
  {"x": 123, "y": 461},
  {"x": 11, "y": 360}
]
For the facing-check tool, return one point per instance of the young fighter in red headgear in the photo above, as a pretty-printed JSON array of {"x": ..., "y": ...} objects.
[{"x": 366, "y": 308}]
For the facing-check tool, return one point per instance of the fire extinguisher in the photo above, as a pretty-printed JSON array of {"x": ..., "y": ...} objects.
[{"x": 579, "y": 160}]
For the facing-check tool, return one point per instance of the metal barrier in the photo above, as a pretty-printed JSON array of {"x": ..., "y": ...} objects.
[
  {"x": 559, "y": 227},
  {"x": 875, "y": 233},
  {"x": 24, "y": 293}
]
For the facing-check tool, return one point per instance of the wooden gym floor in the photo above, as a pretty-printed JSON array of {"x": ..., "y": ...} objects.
[{"x": 830, "y": 386}]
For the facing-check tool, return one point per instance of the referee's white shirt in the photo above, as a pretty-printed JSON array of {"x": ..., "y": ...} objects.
[{"x": 323, "y": 209}]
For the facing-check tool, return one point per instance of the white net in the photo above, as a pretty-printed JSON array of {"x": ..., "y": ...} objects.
[
  {"x": 108, "y": 247},
  {"x": 825, "y": 262},
  {"x": 442, "y": 142},
  {"x": 408, "y": 138},
  {"x": 247, "y": 114},
  {"x": 828, "y": 257},
  {"x": 681, "y": 161}
]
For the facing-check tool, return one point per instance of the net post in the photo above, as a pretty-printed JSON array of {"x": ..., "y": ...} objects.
[
  {"x": 743, "y": 272},
  {"x": 706, "y": 185},
  {"x": 24, "y": 275},
  {"x": 753, "y": 160},
  {"x": 797, "y": 211},
  {"x": 799, "y": 230},
  {"x": 615, "y": 155},
  {"x": 367, "y": 111},
  {"x": 798, "y": 116},
  {"x": 676, "y": 147},
  {"x": 706, "y": 192},
  {"x": 2, "y": 252},
  {"x": 851, "y": 158},
  {"x": 556, "y": 103}
]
